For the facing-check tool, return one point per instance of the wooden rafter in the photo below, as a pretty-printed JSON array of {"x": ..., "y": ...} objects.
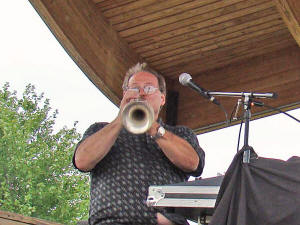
[{"x": 290, "y": 12}]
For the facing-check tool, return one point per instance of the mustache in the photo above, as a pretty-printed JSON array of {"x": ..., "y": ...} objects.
[{"x": 136, "y": 99}]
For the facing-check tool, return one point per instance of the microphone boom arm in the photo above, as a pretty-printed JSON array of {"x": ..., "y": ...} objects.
[{"x": 242, "y": 94}]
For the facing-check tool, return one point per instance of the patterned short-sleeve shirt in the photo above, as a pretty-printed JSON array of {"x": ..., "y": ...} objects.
[{"x": 120, "y": 181}]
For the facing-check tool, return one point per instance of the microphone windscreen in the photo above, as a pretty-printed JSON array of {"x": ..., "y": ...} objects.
[{"x": 184, "y": 78}]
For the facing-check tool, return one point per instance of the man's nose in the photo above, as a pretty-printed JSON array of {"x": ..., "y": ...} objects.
[{"x": 141, "y": 92}]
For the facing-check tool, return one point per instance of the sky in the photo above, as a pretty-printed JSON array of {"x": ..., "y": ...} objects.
[{"x": 31, "y": 54}]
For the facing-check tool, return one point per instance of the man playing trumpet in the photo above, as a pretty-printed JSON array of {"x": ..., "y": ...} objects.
[{"x": 123, "y": 164}]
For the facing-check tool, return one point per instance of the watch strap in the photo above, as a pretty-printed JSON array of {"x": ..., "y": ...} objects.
[{"x": 160, "y": 133}]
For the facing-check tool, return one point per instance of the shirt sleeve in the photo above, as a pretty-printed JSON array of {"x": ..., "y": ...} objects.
[
  {"x": 90, "y": 131},
  {"x": 187, "y": 134}
]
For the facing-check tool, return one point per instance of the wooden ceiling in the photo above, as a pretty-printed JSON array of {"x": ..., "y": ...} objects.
[{"x": 226, "y": 45}]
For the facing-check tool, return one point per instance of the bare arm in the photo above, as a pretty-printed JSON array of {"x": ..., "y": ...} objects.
[
  {"x": 177, "y": 149},
  {"x": 94, "y": 148}
]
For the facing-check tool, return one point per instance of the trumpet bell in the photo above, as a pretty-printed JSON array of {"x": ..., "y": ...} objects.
[{"x": 137, "y": 117}]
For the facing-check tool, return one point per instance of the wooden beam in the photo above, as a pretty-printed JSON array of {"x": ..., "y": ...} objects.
[
  {"x": 91, "y": 42},
  {"x": 17, "y": 219},
  {"x": 290, "y": 12}
]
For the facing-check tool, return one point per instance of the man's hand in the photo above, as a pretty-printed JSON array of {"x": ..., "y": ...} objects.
[
  {"x": 176, "y": 149},
  {"x": 153, "y": 129}
]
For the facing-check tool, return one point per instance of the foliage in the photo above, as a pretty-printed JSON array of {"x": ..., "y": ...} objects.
[{"x": 37, "y": 176}]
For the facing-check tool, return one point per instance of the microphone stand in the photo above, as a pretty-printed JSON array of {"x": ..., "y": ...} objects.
[
  {"x": 247, "y": 113},
  {"x": 247, "y": 116}
]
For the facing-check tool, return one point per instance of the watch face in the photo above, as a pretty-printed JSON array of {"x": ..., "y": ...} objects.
[{"x": 161, "y": 131}]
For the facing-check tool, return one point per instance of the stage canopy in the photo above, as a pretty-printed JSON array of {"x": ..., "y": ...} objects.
[{"x": 226, "y": 46}]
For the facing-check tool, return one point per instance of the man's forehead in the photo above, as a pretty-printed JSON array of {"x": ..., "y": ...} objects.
[{"x": 144, "y": 77}]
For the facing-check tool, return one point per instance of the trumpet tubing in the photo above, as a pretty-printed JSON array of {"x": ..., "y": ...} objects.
[{"x": 137, "y": 117}]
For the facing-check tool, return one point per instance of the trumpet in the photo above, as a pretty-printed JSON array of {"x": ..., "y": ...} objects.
[{"x": 137, "y": 116}]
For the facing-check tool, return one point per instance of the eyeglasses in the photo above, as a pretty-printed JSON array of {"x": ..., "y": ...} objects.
[{"x": 148, "y": 89}]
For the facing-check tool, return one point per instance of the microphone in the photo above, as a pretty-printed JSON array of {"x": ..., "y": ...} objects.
[{"x": 186, "y": 80}]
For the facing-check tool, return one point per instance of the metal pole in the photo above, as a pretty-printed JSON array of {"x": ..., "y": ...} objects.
[{"x": 247, "y": 115}]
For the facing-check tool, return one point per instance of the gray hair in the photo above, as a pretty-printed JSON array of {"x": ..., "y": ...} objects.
[{"x": 143, "y": 67}]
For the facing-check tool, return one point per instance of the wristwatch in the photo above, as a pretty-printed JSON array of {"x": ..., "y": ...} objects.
[{"x": 160, "y": 133}]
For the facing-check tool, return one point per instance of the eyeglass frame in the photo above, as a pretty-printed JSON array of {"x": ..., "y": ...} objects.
[{"x": 138, "y": 89}]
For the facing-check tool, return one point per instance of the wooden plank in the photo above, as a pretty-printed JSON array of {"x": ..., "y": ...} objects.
[
  {"x": 248, "y": 54},
  {"x": 90, "y": 41},
  {"x": 193, "y": 53},
  {"x": 290, "y": 12},
  {"x": 123, "y": 8},
  {"x": 288, "y": 60},
  {"x": 18, "y": 219},
  {"x": 204, "y": 20},
  {"x": 10, "y": 222},
  {"x": 229, "y": 54},
  {"x": 189, "y": 17},
  {"x": 165, "y": 11},
  {"x": 242, "y": 57},
  {"x": 143, "y": 13},
  {"x": 215, "y": 41},
  {"x": 149, "y": 44},
  {"x": 109, "y": 4},
  {"x": 259, "y": 46},
  {"x": 99, "y": 1},
  {"x": 207, "y": 35}
]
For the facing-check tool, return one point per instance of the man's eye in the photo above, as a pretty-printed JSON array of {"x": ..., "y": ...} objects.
[
  {"x": 149, "y": 89},
  {"x": 134, "y": 89}
]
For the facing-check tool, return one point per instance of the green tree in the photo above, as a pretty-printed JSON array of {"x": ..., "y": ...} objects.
[{"x": 37, "y": 177}]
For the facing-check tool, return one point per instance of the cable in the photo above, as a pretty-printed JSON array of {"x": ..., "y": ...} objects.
[
  {"x": 226, "y": 116},
  {"x": 260, "y": 104},
  {"x": 239, "y": 138}
]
